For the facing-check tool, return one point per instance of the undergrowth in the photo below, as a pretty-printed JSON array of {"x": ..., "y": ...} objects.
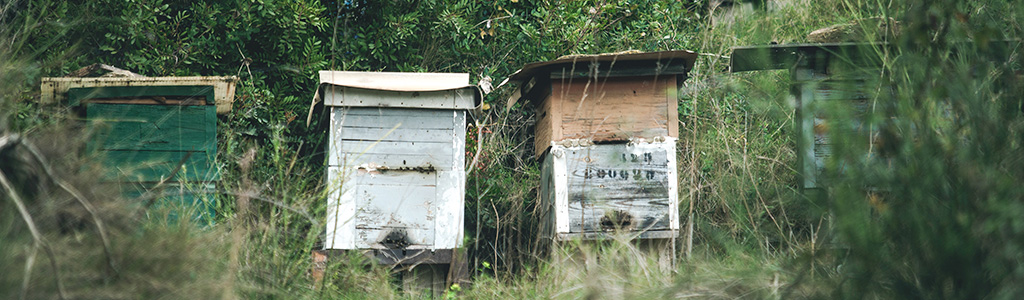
[{"x": 939, "y": 220}]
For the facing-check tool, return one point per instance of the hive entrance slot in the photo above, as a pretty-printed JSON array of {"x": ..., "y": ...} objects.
[
  {"x": 617, "y": 220},
  {"x": 396, "y": 239}
]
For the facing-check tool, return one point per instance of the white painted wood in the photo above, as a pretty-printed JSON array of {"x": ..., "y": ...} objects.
[
  {"x": 54, "y": 89},
  {"x": 585, "y": 184},
  {"x": 411, "y": 181},
  {"x": 560, "y": 178},
  {"x": 396, "y": 81},
  {"x": 451, "y": 186},
  {"x": 356, "y": 97},
  {"x": 341, "y": 208},
  {"x": 408, "y": 138}
]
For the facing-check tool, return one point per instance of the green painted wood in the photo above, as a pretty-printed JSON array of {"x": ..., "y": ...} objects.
[
  {"x": 196, "y": 200},
  {"x": 146, "y": 143},
  {"x": 155, "y": 127},
  {"x": 77, "y": 95},
  {"x": 154, "y": 166}
]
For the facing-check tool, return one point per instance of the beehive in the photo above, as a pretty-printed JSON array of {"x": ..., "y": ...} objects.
[
  {"x": 606, "y": 129},
  {"x": 823, "y": 76},
  {"x": 153, "y": 131},
  {"x": 396, "y": 163}
]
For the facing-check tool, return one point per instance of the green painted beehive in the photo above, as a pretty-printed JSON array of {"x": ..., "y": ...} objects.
[{"x": 158, "y": 138}]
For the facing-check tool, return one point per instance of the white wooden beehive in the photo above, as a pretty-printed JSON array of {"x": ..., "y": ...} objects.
[{"x": 396, "y": 159}]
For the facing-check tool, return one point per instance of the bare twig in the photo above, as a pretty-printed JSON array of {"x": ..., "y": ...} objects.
[
  {"x": 479, "y": 144},
  {"x": 36, "y": 235},
  {"x": 81, "y": 200}
]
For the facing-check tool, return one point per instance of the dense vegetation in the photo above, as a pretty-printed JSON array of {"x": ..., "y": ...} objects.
[{"x": 941, "y": 219}]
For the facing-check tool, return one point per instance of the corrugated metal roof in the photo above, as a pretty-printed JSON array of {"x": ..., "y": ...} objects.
[
  {"x": 528, "y": 71},
  {"x": 394, "y": 81}
]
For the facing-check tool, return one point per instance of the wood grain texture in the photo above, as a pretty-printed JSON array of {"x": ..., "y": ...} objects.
[
  {"x": 55, "y": 89},
  {"x": 613, "y": 109},
  {"x": 355, "y": 97},
  {"x": 610, "y": 187}
]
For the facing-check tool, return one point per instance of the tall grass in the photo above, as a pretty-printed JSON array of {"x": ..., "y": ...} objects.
[{"x": 936, "y": 217}]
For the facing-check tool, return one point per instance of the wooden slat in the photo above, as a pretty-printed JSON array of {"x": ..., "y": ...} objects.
[
  {"x": 615, "y": 180},
  {"x": 154, "y": 127},
  {"x": 54, "y": 90},
  {"x": 153, "y": 166},
  {"x": 614, "y": 109},
  {"x": 198, "y": 92},
  {"x": 375, "y": 204},
  {"x": 398, "y": 134},
  {"x": 356, "y": 97},
  {"x": 428, "y": 119},
  {"x": 418, "y": 137}
]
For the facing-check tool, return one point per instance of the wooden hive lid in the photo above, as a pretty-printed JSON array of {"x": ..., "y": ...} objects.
[
  {"x": 55, "y": 89},
  {"x": 784, "y": 56},
  {"x": 394, "y": 89},
  {"x": 683, "y": 57}
]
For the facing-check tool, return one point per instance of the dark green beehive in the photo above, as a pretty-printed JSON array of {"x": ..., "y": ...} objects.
[{"x": 157, "y": 136}]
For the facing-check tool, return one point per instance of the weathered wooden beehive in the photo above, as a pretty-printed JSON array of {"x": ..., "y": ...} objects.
[
  {"x": 823, "y": 76},
  {"x": 396, "y": 163},
  {"x": 606, "y": 128},
  {"x": 153, "y": 130}
]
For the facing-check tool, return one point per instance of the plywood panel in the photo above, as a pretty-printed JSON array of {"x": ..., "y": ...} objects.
[
  {"x": 613, "y": 109},
  {"x": 608, "y": 187}
]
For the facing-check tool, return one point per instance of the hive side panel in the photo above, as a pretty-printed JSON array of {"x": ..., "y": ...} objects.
[
  {"x": 612, "y": 109},
  {"x": 397, "y": 138},
  {"x": 395, "y": 209},
  {"x": 355, "y": 97},
  {"x": 671, "y": 86},
  {"x": 621, "y": 187},
  {"x": 549, "y": 125},
  {"x": 147, "y": 143},
  {"x": 341, "y": 208},
  {"x": 451, "y": 196}
]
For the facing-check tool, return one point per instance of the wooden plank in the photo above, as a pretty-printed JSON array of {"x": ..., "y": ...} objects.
[
  {"x": 618, "y": 186},
  {"x": 398, "y": 134},
  {"x": 451, "y": 191},
  {"x": 672, "y": 99},
  {"x": 440, "y": 151},
  {"x": 604, "y": 181},
  {"x": 197, "y": 92},
  {"x": 417, "y": 138},
  {"x": 154, "y": 127},
  {"x": 149, "y": 101},
  {"x": 154, "y": 166},
  {"x": 367, "y": 207},
  {"x": 385, "y": 118},
  {"x": 54, "y": 89},
  {"x": 356, "y": 97},
  {"x": 587, "y": 69},
  {"x": 396, "y": 81},
  {"x": 613, "y": 109},
  {"x": 195, "y": 199}
]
